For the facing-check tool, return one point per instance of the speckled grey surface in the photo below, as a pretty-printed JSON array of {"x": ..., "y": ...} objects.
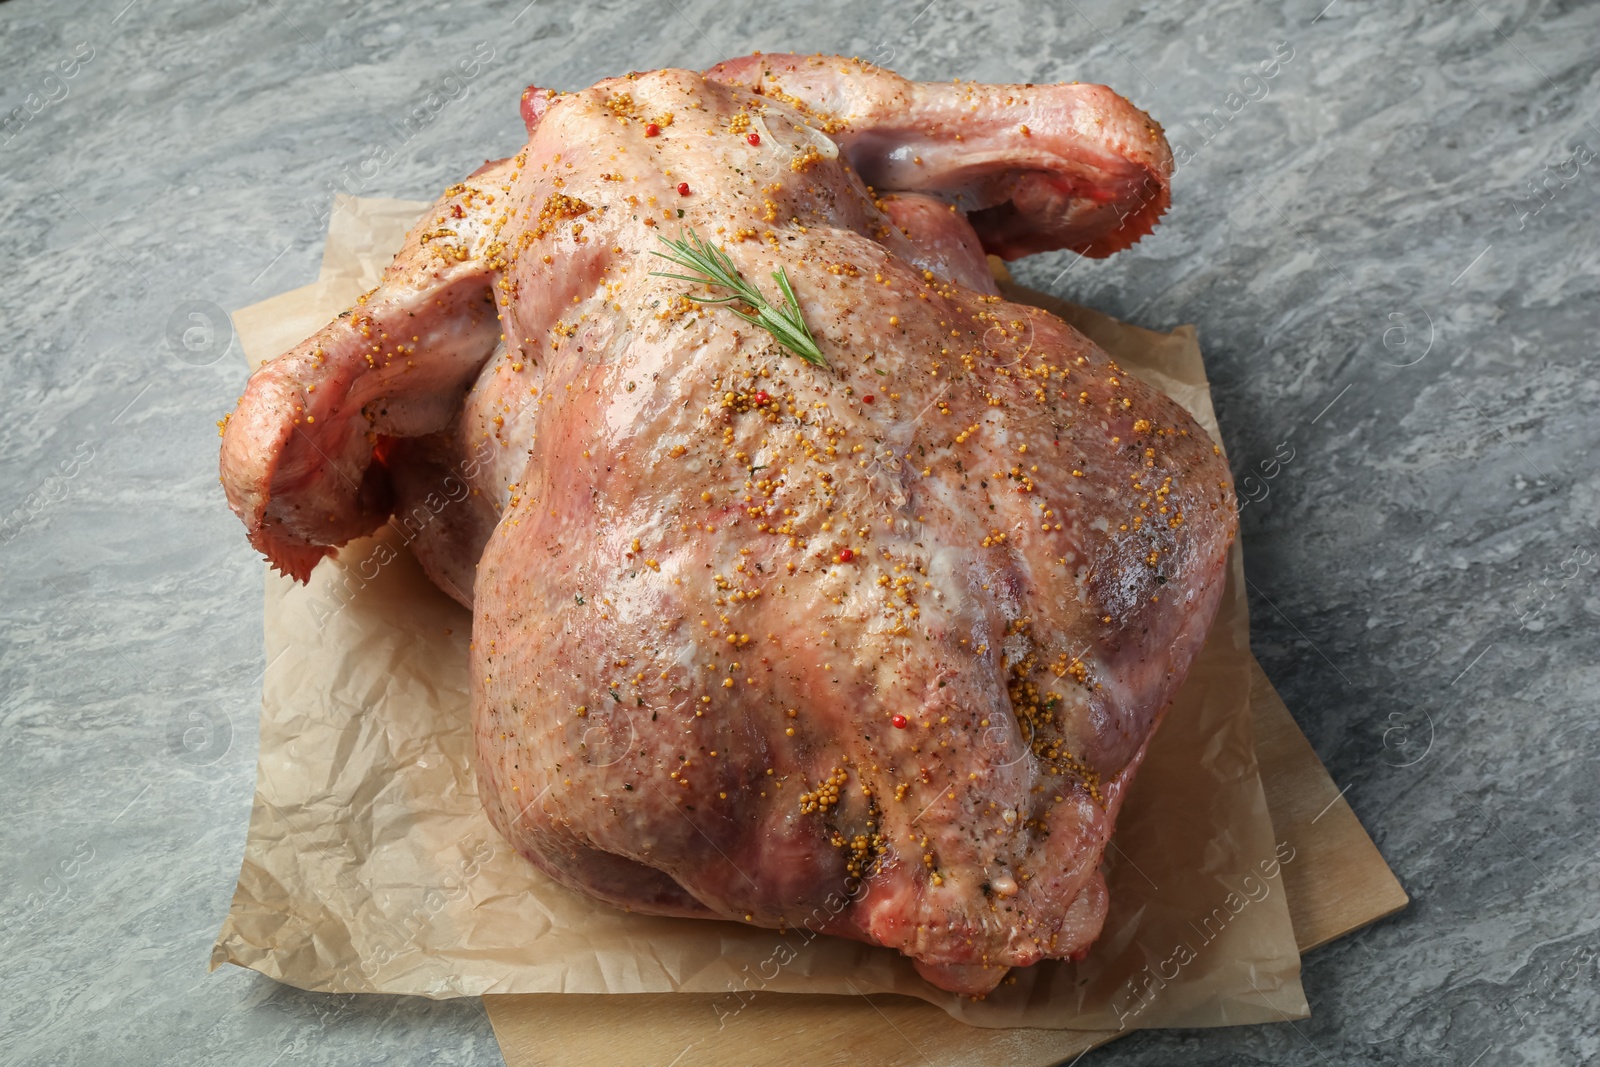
[{"x": 1400, "y": 335}]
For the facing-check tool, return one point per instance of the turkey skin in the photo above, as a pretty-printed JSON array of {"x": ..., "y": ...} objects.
[{"x": 871, "y": 643}]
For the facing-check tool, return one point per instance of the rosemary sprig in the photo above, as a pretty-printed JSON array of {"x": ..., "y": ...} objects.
[{"x": 713, "y": 267}]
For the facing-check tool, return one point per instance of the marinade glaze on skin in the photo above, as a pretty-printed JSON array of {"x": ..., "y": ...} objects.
[{"x": 756, "y": 638}]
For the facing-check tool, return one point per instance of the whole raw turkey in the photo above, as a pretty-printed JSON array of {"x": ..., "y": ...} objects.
[{"x": 870, "y": 643}]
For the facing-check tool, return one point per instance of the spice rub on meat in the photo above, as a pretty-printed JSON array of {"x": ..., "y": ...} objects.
[{"x": 759, "y": 629}]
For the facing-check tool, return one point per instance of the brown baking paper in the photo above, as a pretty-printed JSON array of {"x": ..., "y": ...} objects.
[
  {"x": 1337, "y": 883},
  {"x": 370, "y": 866}
]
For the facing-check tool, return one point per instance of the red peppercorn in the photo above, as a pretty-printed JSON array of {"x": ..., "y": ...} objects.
[
  {"x": 761, "y": 397},
  {"x": 683, "y": 188},
  {"x": 868, "y": 399},
  {"x": 900, "y": 722},
  {"x": 754, "y": 138},
  {"x": 651, "y": 129},
  {"x": 845, "y": 555}
]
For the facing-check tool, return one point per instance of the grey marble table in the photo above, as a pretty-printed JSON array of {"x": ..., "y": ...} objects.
[{"x": 1388, "y": 246}]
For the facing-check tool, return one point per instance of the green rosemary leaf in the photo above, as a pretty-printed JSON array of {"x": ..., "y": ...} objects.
[{"x": 712, "y": 266}]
